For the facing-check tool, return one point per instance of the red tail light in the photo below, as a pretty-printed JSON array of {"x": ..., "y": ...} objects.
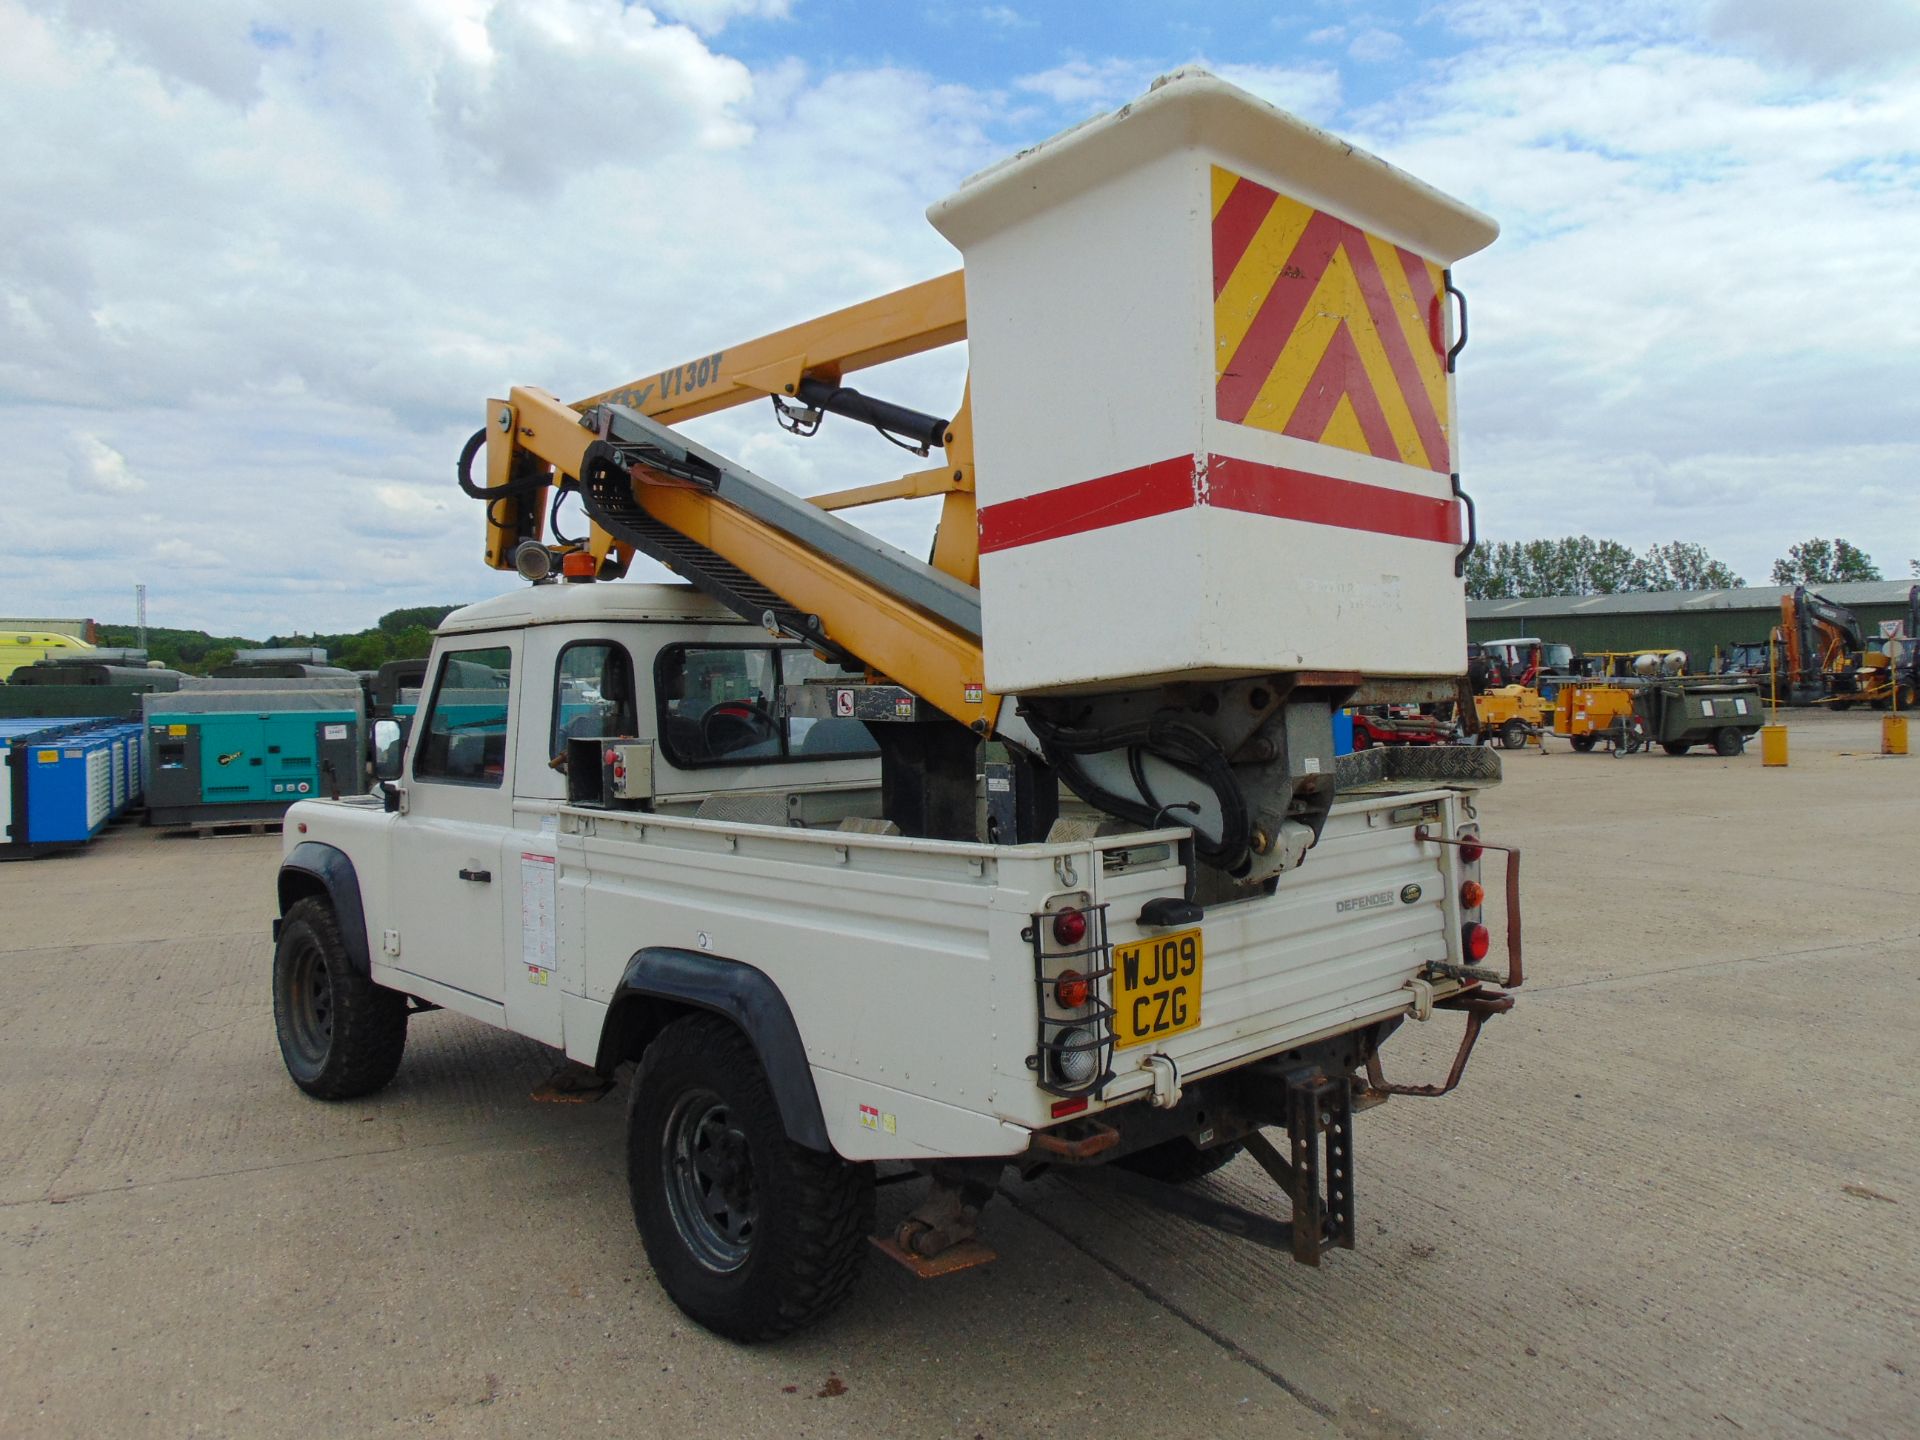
[
  {"x": 1070, "y": 927},
  {"x": 1476, "y": 937},
  {"x": 1069, "y": 1107},
  {"x": 1473, "y": 895},
  {"x": 1070, "y": 990},
  {"x": 1470, "y": 850}
]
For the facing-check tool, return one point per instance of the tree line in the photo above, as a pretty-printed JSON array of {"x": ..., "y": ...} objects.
[
  {"x": 1582, "y": 565},
  {"x": 404, "y": 634}
]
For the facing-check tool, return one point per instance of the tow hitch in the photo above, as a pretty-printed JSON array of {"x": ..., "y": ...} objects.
[{"x": 1317, "y": 1176}]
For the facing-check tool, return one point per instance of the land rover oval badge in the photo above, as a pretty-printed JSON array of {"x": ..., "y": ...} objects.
[{"x": 1409, "y": 894}]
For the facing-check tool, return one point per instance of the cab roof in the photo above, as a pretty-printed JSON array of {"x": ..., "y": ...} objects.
[{"x": 558, "y": 603}]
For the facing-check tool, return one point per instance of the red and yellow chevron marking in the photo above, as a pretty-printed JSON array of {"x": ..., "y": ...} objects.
[{"x": 1324, "y": 332}]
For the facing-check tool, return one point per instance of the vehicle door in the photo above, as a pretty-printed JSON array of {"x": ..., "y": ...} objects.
[
  {"x": 449, "y": 854},
  {"x": 591, "y": 696}
]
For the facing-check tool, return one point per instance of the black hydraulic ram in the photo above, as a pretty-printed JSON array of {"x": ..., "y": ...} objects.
[{"x": 923, "y": 430}]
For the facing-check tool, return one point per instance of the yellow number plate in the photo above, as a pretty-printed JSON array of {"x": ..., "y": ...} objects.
[{"x": 1156, "y": 987}]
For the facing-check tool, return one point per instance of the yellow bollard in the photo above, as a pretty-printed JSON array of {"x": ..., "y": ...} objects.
[
  {"x": 1893, "y": 734},
  {"x": 1773, "y": 744}
]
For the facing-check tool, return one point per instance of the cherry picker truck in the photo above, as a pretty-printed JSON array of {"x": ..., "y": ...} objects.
[{"x": 1035, "y": 855}]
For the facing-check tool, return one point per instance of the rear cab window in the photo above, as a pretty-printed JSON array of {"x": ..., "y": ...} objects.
[
  {"x": 463, "y": 736},
  {"x": 592, "y": 695},
  {"x": 720, "y": 705}
]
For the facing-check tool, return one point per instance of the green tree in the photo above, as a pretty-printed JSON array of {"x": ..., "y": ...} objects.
[
  {"x": 415, "y": 617},
  {"x": 1824, "y": 562},
  {"x": 1682, "y": 565},
  {"x": 1582, "y": 565}
]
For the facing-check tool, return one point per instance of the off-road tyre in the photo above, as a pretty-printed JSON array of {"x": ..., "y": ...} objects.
[
  {"x": 799, "y": 1219},
  {"x": 1584, "y": 743},
  {"x": 1728, "y": 742},
  {"x": 1676, "y": 747},
  {"x": 1179, "y": 1161},
  {"x": 341, "y": 1035}
]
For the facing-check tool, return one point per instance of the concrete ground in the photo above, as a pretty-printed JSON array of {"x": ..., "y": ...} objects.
[{"x": 1677, "y": 1194}]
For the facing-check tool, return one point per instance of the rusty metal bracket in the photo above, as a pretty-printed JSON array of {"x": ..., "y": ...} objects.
[
  {"x": 1516, "y": 976},
  {"x": 1077, "y": 1140},
  {"x": 1479, "y": 1007}
]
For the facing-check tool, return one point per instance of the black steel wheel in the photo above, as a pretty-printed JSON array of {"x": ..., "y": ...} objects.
[
  {"x": 1179, "y": 1161},
  {"x": 1676, "y": 747},
  {"x": 1728, "y": 741},
  {"x": 341, "y": 1035},
  {"x": 749, "y": 1233},
  {"x": 1583, "y": 743}
]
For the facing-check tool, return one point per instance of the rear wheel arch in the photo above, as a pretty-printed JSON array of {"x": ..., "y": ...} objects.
[{"x": 662, "y": 984}]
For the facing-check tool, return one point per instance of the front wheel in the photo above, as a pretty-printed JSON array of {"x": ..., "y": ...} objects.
[
  {"x": 1513, "y": 735},
  {"x": 1728, "y": 742},
  {"x": 341, "y": 1035},
  {"x": 750, "y": 1234},
  {"x": 1676, "y": 747},
  {"x": 1583, "y": 743}
]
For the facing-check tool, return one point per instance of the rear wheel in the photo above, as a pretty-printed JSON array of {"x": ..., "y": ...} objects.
[
  {"x": 750, "y": 1234},
  {"x": 341, "y": 1035},
  {"x": 1583, "y": 743},
  {"x": 1513, "y": 735},
  {"x": 1728, "y": 741},
  {"x": 1676, "y": 747},
  {"x": 1179, "y": 1160}
]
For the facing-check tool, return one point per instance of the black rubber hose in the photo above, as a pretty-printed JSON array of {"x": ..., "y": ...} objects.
[
  {"x": 1169, "y": 739},
  {"x": 476, "y": 442}
]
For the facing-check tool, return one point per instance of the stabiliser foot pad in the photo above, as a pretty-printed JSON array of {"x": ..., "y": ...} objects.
[{"x": 964, "y": 1256}]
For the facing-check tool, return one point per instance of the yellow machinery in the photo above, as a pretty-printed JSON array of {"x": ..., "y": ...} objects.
[
  {"x": 1587, "y": 714},
  {"x": 19, "y": 648},
  {"x": 1510, "y": 713}
]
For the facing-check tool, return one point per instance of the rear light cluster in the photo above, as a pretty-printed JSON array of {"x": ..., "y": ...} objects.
[
  {"x": 1475, "y": 938},
  {"x": 1071, "y": 957}
]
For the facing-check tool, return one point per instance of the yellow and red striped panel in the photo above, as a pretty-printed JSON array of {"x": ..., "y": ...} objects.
[{"x": 1324, "y": 332}]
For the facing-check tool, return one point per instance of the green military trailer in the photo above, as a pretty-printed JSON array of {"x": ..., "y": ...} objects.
[{"x": 1681, "y": 712}]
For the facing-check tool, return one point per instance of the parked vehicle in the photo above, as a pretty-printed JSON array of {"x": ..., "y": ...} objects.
[{"x": 729, "y": 833}]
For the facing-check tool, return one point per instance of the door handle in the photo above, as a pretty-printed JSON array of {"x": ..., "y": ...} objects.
[{"x": 482, "y": 877}]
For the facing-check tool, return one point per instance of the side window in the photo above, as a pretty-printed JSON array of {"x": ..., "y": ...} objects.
[
  {"x": 464, "y": 737},
  {"x": 592, "y": 694},
  {"x": 717, "y": 704},
  {"x": 809, "y": 738},
  {"x": 720, "y": 705}
]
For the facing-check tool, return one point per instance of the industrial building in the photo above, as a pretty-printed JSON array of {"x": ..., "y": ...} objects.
[{"x": 1696, "y": 621}]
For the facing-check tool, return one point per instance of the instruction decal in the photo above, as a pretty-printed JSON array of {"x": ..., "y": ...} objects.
[{"x": 538, "y": 907}]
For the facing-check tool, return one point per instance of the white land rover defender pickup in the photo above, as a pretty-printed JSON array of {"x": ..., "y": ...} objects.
[{"x": 1039, "y": 853}]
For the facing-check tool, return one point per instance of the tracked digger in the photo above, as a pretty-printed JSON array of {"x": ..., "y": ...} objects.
[{"x": 1034, "y": 856}]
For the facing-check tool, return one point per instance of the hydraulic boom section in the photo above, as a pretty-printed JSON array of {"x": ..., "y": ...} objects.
[{"x": 1150, "y": 589}]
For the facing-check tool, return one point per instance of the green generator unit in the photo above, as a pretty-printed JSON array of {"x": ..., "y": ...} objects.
[
  {"x": 248, "y": 754},
  {"x": 1682, "y": 712}
]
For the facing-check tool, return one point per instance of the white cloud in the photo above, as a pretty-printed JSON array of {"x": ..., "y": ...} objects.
[
  {"x": 1006, "y": 17},
  {"x": 297, "y": 274},
  {"x": 96, "y": 467},
  {"x": 1862, "y": 35},
  {"x": 280, "y": 265},
  {"x": 711, "y": 16},
  {"x": 1374, "y": 45},
  {"x": 1694, "y": 326},
  {"x": 1081, "y": 82}
]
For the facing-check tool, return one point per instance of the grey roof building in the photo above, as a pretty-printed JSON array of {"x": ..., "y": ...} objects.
[{"x": 1696, "y": 621}]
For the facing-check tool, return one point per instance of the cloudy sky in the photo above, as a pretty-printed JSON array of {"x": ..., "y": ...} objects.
[{"x": 261, "y": 263}]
